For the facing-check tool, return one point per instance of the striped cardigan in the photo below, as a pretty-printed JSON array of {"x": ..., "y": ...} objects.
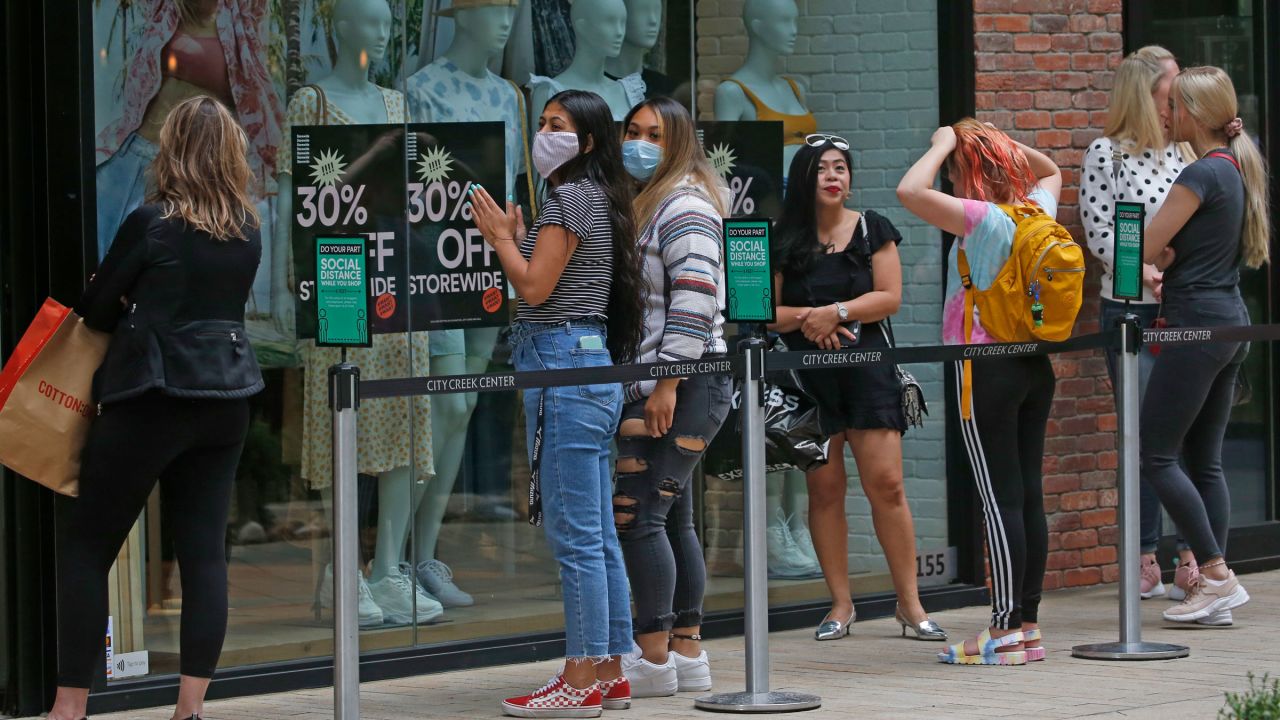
[{"x": 682, "y": 251}]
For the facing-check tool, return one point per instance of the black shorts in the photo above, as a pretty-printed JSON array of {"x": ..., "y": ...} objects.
[{"x": 863, "y": 397}]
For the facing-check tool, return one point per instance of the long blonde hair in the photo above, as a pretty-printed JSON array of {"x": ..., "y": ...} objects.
[
  {"x": 682, "y": 159},
  {"x": 1133, "y": 119},
  {"x": 1210, "y": 98},
  {"x": 201, "y": 171}
]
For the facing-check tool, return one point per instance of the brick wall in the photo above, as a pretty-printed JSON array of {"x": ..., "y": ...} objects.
[
  {"x": 869, "y": 68},
  {"x": 1044, "y": 70}
]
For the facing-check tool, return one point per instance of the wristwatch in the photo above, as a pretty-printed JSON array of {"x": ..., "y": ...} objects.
[{"x": 842, "y": 311}]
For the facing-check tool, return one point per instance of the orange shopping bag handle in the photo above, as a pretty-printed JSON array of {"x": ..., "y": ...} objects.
[{"x": 42, "y": 327}]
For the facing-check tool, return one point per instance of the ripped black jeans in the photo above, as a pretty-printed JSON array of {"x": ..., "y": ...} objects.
[{"x": 653, "y": 505}]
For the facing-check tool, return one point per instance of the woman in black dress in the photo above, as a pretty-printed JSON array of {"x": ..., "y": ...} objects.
[{"x": 837, "y": 266}]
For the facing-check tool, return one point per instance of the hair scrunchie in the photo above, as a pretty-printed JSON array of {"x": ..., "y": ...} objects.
[{"x": 1234, "y": 128}]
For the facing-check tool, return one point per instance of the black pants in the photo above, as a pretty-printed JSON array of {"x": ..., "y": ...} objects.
[
  {"x": 1004, "y": 439},
  {"x": 1185, "y": 412},
  {"x": 653, "y": 508},
  {"x": 193, "y": 448}
]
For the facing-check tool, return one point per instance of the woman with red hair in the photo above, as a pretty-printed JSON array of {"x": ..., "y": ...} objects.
[{"x": 1011, "y": 397}]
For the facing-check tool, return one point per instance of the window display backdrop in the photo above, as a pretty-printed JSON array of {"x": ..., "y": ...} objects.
[
  {"x": 869, "y": 76},
  {"x": 443, "y": 535}
]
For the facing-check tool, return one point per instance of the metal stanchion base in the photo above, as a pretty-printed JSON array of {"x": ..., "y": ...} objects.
[
  {"x": 1130, "y": 651},
  {"x": 767, "y": 702}
]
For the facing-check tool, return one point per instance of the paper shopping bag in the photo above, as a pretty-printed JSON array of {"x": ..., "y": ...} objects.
[{"x": 46, "y": 396}]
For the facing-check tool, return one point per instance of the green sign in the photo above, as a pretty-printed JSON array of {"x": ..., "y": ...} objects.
[
  {"x": 342, "y": 292},
  {"x": 748, "y": 277},
  {"x": 1127, "y": 260}
]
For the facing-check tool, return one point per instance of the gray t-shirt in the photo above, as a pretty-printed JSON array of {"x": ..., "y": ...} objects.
[{"x": 1208, "y": 247}]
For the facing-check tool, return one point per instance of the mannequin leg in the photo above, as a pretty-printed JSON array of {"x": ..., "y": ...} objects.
[{"x": 398, "y": 494}]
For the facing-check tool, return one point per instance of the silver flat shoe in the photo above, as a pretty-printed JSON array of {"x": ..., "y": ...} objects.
[
  {"x": 834, "y": 629},
  {"x": 926, "y": 629}
]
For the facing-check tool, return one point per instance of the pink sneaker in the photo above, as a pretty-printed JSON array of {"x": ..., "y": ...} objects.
[
  {"x": 1184, "y": 578},
  {"x": 557, "y": 699},
  {"x": 1149, "y": 583}
]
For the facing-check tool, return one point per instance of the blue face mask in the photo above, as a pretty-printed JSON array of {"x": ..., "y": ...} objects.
[{"x": 641, "y": 158}]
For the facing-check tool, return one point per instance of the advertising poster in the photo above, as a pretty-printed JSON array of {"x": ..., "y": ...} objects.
[
  {"x": 428, "y": 267},
  {"x": 748, "y": 155}
]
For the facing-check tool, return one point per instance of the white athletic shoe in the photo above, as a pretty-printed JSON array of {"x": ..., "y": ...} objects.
[
  {"x": 437, "y": 579},
  {"x": 692, "y": 674},
  {"x": 397, "y": 595},
  {"x": 370, "y": 613},
  {"x": 1222, "y": 618},
  {"x": 649, "y": 680}
]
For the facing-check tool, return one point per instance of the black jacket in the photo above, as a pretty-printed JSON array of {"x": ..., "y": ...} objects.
[{"x": 173, "y": 299}]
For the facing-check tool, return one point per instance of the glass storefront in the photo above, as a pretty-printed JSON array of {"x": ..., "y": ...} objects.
[{"x": 447, "y": 552}]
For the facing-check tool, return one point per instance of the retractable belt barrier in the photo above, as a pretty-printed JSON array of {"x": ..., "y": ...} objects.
[{"x": 751, "y": 365}]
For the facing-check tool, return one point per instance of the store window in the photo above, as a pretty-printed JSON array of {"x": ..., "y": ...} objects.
[
  {"x": 332, "y": 94},
  {"x": 870, "y": 78},
  {"x": 1231, "y": 35}
]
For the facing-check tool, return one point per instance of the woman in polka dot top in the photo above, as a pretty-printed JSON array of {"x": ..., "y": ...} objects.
[{"x": 1138, "y": 128}]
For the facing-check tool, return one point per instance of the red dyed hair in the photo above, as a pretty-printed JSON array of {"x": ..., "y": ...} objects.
[{"x": 987, "y": 165}]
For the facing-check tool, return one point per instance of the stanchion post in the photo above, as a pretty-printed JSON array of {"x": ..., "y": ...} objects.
[
  {"x": 1130, "y": 646},
  {"x": 757, "y": 698},
  {"x": 344, "y": 399}
]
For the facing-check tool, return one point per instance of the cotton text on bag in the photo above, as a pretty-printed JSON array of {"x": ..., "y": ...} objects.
[{"x": 46, "y": 403}]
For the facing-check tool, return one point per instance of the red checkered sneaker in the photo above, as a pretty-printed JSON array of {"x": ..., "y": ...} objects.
[
  {"x": 557, "y": 699},
  {"x": 616, "y": 693}
]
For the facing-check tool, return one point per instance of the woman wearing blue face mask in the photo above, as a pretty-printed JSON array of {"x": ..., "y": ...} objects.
[
  {"x": 668, "y": 424},
  {"x": 577, "y": 273}
]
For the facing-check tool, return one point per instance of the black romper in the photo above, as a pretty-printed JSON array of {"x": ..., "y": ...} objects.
[{"x": 864, "y": 397}]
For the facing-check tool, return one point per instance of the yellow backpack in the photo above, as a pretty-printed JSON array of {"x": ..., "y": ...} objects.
[{"x": 1035, "y": 296}]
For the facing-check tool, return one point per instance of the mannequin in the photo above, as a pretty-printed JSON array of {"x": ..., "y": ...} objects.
[
  {"x": 186, "y": 48},
  {"x": 458, "y": 86},
  {"x": 599, "y": 28},
  {"x": 644, "y": 23},
  {"x": 756, "y": 91},
  {"x": 362, "y": 29}
]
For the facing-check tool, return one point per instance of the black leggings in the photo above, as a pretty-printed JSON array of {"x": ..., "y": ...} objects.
[
  {"x": 193, "y": 447},
  {"x": 1004, "y": 440}
]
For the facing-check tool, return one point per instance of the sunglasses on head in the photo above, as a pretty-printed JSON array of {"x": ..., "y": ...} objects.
[{"x": 819, "y": 139}]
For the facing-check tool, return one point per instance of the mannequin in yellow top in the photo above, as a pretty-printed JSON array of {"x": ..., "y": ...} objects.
[{"x": 756, "y": 91}]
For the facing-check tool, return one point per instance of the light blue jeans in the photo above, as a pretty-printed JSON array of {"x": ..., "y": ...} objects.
[
  {"x": 122, "y": 186},
  {"x": 579, "y": 422}
]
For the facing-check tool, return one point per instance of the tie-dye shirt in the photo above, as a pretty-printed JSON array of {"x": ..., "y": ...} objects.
[{"x": 987, "y": 241}]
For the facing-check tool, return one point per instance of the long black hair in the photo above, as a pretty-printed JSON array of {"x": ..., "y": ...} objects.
[
  {"x": 797, "y": 229},
  {"x": 602, "y": 165}
]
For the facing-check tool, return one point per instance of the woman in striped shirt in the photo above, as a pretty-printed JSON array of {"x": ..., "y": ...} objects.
[
  {"x": 578, "y": 276},
  {"x": 667, "y": 424}
]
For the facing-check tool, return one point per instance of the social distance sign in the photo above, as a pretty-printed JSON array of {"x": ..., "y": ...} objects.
[{"x": 404, "y": 190}]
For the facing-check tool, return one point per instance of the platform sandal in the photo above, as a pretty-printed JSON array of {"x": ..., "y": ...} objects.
[
  {"x": 988, "y": 651},
  {"x": 1034, "y": 654}
]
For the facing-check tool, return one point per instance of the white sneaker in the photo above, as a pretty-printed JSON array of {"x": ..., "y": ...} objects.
[
  {"x": 785, "y": 559},
  {"x": 804, "y": 541},
  {"x": 649, "y": 680},
  {"x": 437, "y": 579},
  {"x": 397, "y": 595},
  {"x": 369, "y": 612},
  {"x": 692, "y": 674},
  {"x": 1222, "y": 618}
]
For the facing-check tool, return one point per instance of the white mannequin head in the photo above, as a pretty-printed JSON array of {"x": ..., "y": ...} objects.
[
  {"x": 363, "y": 26},
  {"x": 485, "y": 27},
  {"x": 772, "y": 23},
  {"x": 644, "y": 22},
  {"x": 599, "y": 24}
]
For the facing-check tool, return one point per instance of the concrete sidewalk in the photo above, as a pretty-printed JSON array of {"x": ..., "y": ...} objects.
[{"x": 876, "y": 674}]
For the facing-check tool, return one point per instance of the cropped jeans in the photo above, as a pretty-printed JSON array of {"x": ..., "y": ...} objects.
[
  {"x": 1185, "y": 412},
  {"x": 579, "y": 422},
  {"x": 653, "y": 507}
]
